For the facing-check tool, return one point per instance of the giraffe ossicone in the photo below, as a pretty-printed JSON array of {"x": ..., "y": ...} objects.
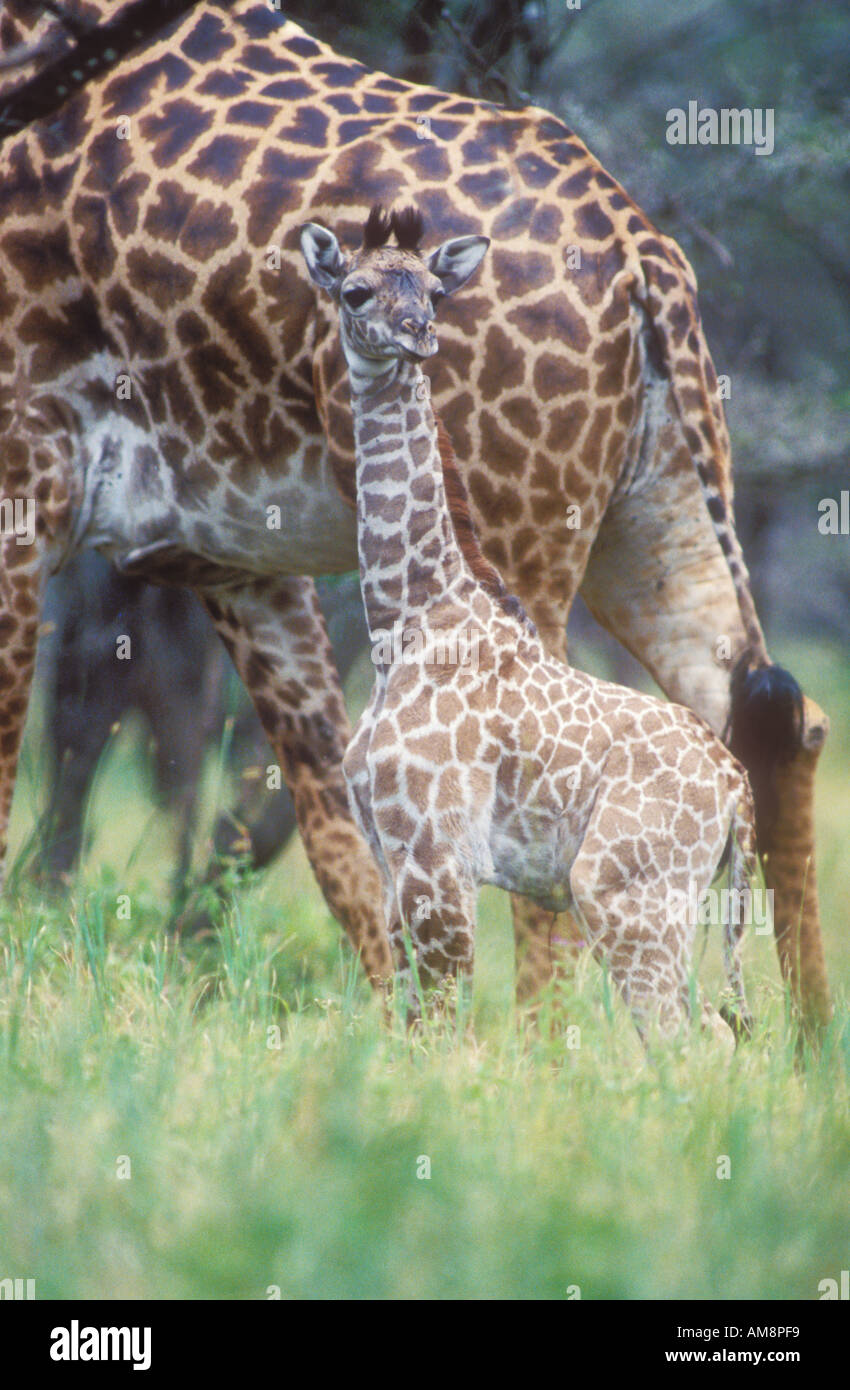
[{"x": 522, "y": 773}]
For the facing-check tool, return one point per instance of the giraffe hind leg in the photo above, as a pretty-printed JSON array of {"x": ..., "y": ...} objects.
[
  {"x": 648, "y": 955},
  {"x": 742, "y": 863},
  {"x": 657, "y": 578},
  {"x": 652, "y": 978}
]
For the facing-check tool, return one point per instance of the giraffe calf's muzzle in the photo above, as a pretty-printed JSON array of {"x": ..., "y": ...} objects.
[{"x": 417, "y": 341}]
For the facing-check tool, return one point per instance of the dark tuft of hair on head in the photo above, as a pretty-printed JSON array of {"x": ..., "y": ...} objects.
[
  {"x": 379, "y": 225},
  {"x": 409, "y": 228}
]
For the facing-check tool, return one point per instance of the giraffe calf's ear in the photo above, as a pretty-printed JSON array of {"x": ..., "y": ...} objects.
[
  {"x": 456, "y": 260},
  {"x": 320, "y": 249}
]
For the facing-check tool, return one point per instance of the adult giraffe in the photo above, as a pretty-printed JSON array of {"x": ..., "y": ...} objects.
[{"x": 576, "y": 373}]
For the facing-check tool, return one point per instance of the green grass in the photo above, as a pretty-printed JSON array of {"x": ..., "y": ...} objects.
[{"x": 274, "y": 1126}]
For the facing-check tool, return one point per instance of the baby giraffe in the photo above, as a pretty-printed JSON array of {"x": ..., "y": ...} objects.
[{"x": 478, "y": 758}]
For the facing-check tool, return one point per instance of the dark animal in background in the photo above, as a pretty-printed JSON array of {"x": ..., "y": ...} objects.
[{"x": 178, "y": 680}]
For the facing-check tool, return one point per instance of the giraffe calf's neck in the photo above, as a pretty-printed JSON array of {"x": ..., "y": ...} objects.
[{"x": 408, "y": 552}]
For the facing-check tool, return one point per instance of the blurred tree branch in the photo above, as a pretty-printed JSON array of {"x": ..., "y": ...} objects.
[{"x": 675, "y": 210}]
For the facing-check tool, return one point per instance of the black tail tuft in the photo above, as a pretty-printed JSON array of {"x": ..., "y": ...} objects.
[{"x": 766, "y": 727}]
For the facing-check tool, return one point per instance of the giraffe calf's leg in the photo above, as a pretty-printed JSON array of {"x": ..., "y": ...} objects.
[
  {"x": 546, "y": 944},
  {"x": 647, "y": 951},
  {"x": 719, "y": 1026},
  {"x": 432, "y": 913},
  {"x": 429, "y": 906}
]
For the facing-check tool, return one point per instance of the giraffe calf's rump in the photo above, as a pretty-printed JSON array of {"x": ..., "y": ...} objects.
[{"x": 513, "y": 770}]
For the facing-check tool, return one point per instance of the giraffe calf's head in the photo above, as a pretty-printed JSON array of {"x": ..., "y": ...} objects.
[{"x": 387, "y": 295}]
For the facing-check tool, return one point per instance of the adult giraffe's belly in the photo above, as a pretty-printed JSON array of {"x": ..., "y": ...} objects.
[{"x": 204, "y": 525}]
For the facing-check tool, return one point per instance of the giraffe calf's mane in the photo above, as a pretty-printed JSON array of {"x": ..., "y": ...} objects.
[{"x": 409, "y": 228}]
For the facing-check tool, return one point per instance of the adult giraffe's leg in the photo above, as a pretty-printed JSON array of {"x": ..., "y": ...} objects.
[
  {"x": 789, "y": 870},
  {"x": 20, "y": 607},
  {"x": 275, "y": 633},
  {"x": 261, "y": 822},
  {"x": 35, "y": 488},
  {"x": 658, "y": 579}
]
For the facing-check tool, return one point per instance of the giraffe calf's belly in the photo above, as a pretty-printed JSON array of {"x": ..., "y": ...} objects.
[{"x": 534, "y": 866}]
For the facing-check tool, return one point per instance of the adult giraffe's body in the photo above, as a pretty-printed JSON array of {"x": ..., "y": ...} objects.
[{"x": 564, "y": 379}]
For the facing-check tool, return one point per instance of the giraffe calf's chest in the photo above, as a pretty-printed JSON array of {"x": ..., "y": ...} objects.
[{"x": 512, "y": 799}]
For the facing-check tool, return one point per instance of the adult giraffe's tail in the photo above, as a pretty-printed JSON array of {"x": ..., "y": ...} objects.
[
  {"x": 774, "y": 730},
  {"x": 675, "y": 323}
]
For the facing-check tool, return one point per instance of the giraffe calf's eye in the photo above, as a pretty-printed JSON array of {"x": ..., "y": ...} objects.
[{"x": 356, "y": 298}]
